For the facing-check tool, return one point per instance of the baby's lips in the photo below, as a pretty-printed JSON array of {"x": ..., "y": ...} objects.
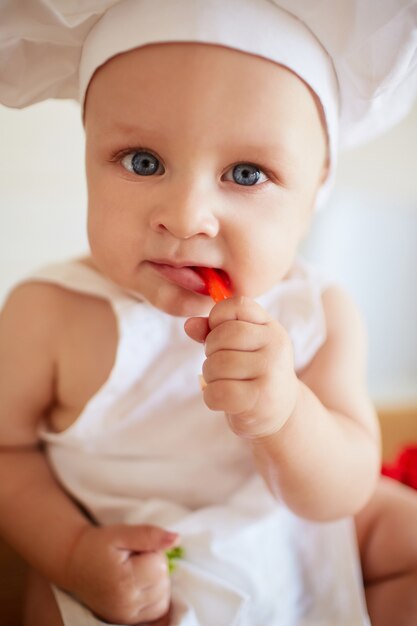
[{"x": 217, "y": 283}]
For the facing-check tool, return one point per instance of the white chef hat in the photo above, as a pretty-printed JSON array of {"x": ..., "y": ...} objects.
[{"x": 358, "y": 56}]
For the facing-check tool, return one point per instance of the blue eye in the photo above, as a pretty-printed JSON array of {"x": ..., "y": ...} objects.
[
  {"x": 247, "y": 175},
  {"x": 141, "y": 163}
]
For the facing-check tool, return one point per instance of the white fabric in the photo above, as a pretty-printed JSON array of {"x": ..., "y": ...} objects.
[
  {"x": 372, "y": 44},
  {"x": 146, "y": 450}
]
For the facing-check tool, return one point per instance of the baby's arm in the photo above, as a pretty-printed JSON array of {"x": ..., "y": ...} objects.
[
  {"x": 107, "y": 568},
  {"x": 331, "y": 442},
  {"x": 314, "y": 437}
]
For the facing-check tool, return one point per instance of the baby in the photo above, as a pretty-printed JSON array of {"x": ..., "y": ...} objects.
[{"x": 198, "y": 156}]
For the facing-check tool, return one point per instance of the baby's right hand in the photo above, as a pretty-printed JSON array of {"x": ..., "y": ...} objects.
[{"x": 121, "y": 572}]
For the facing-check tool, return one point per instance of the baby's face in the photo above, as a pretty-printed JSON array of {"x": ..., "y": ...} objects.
[{"x": 198, "y": 155}]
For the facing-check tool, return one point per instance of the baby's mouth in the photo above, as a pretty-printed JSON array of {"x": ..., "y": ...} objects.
[{"x": 207, "y": 281}]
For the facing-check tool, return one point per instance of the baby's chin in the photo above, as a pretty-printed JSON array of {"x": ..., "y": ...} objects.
[{"x": 187, "y": 304}]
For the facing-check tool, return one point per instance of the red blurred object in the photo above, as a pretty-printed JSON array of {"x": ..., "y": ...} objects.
[{"x": 404, "y": 467}]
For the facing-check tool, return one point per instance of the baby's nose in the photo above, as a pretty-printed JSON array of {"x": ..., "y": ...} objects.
[{"x": 185, "y": 215}]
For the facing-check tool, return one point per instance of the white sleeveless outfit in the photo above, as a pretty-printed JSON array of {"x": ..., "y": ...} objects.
[{"x": 147, "y": 450}]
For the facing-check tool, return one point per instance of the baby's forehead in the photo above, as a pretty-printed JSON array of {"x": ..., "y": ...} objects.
[
  {"x": 197, "y": 73},
  {"x": 203, "y": 100}
]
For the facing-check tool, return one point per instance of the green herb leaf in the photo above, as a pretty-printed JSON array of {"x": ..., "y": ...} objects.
[{"x": 173, "y": 554}]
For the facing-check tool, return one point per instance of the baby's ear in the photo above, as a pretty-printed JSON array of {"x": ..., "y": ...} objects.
[
  {"x": 325, "y": 169},
  {"x": 197, "y": 328}
]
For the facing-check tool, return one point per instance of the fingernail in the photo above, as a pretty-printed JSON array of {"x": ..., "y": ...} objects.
[{"x": 202, "y": 382}]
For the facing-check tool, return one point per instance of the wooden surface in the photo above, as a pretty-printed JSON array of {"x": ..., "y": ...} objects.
[
  {"x": 12, "y": 581},
  {"x": 399, "y": 427}
]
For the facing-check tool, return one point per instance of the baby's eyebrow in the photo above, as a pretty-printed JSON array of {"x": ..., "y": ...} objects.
[
  {"x": 135, "y": 130},
  {"x": 278, "y": 153},
  {"x": 281, "y": 157}
]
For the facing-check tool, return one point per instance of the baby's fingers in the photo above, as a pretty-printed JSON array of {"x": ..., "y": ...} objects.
[
  {"x": 153, "y": 585},
  {"x": 197, "y": 328},
  {"x": 233, "y": 365},
  {"x": 238, "y": 399},
  {"x": 231, "y": 396},
  {"x": 238, "y": 308},
  {"x": 239, "y": 336}
]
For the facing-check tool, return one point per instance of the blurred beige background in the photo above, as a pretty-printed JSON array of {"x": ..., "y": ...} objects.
[{"x": 366, "y": 239}]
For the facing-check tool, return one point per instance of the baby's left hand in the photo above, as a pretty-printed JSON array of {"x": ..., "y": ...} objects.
[{"x": 249, "y": 369}]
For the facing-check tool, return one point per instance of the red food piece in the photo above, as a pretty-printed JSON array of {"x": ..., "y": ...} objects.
[
  {"x": 404, "y": 467},
  {"x": 217, "y": 285}
]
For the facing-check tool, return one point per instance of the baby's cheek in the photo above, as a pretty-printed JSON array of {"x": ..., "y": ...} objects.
[
  {"x": 104, "y": 248},
  {"x": 257, "y": 279},
  {"x": 98, "y": 236},
  {"x": 265, "y": 260}
]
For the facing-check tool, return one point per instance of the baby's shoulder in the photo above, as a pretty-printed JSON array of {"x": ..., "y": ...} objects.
[
  {"x": 41, "y": 301},
  {"x": 31, "y": 321},
  {"x": 32, "y": 306},
  {"x": 342, "y": 314},
  {"x": 44, "y": 311},
  {"x": 57, "y": 347},
  {"x": 30, "y": 324}
]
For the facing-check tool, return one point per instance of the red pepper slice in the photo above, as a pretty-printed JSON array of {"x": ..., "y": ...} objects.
[{"x": 217, "y": 285}]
